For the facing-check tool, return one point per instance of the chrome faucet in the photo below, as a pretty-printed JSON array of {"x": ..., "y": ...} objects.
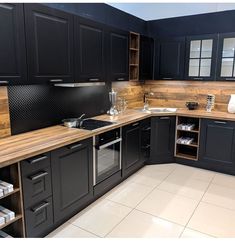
[
  {"x": 146, "y": 104},
  {"x": 80, "y": 120}
]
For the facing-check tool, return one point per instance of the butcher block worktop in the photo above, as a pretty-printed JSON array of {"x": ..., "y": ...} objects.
[{"x": 19, "y": 147}]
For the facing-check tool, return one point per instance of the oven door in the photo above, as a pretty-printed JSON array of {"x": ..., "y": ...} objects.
[{"x": 107, "y": 160}]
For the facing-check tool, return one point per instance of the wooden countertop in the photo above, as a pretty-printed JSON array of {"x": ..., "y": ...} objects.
[{"x": 23, "y": 146}]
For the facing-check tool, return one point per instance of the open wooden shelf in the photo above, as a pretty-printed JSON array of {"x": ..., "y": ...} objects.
[
  {"x": 192, "y": 145},
  {"x": 18, "y": 216},
  {"x": 10, "y": 193},
  {"x": 134, "y": 48},
  {"x": 191, "y": 131},
  {"x": 186, "y": 156}
]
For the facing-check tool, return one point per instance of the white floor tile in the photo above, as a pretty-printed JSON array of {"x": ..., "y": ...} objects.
[
  {"x": 221, "y": 196},
  {"x": 100, "y": 218},
  {"x": 168, "y": 206},
  {"x": 68, "y": 230},
  {"x": 213, "y": 220},
  {"x": 142, "y": 225},
  {"x": 224, "y": 180},
  {"x": 129, "y": 194},
  {"x": 189, "y": 233},
  {"x": 161, "y": 167}
]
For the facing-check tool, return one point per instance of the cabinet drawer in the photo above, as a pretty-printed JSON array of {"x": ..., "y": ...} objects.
[
  {"x": 39, "y": 218},
  {"x": 35, "y": 163},
  {"x": 36, "y": 186}
]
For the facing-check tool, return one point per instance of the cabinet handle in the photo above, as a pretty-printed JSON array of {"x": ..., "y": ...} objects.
[
  {"x": 147, "y": 129},
  {"x": 35, "y": 160},
  {"x": 220, "y": 122},
  {"x": 72, "y": 147},
  {"x": 121, "y": 79},
  {"x": 56, "y": 80},
  {"x": 164, "y": 117},
  {"x": 93, "y": 79},
  {"x": 198, "y": 78},
  {"x": 135, "y": 124},
  {"x": 40, "y": 207},
  {"x": 167, "y": 78},
  {"x": 39, "y": 175},
  {"x": 4, "y": 82},
  {"x": 146, "y": 147},
  {"x": 230, "y": 79}
]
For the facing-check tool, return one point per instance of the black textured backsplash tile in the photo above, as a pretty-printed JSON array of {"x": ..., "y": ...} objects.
[{"x": 39, "y": 106}]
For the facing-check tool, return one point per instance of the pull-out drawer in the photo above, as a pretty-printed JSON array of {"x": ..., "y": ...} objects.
[{"x": 39, "y": 218}]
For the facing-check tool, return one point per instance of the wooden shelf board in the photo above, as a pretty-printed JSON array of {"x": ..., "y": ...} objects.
[
  {"x": 192, "y": 131},
  {"x": 192, "y": 144},
  {"x": 134, "y": 49},
  {"x": 134, "y": 65},
  {"x": 18, "y": 216},
  {"x": 134, "y": 80},
  {"x": 9, "y": 194},
  {"x": 186, "y": 156}
]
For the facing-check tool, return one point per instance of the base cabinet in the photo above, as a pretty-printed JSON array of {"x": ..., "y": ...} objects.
[{"x": 72, "y": 181}]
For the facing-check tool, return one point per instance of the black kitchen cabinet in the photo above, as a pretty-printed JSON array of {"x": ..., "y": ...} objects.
[
  {"x": 217, "y": 145},
  {"x": 162, "y": 139},
  {"x": 90, "y": 46},
  {"x": 49, "y": 42},
  {"x": 146, "y": 58},
  {"x": 169, "y": 58},
  {"x": 72, "y": 181},
  {"x": 13, "y": 68},
  {"x": 131, "y": 148},
  {"x": 145, "y": 139},
  {"x": 118, "y": 55},
  {"x": 200, "y": 61},
  {"x": 226, "y": 57}
]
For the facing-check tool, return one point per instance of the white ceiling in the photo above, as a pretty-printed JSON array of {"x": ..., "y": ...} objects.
[{"x": 152, "y": 11}]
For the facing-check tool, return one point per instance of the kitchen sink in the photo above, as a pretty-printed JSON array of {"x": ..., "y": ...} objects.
[{"x": 159, "y": 110}]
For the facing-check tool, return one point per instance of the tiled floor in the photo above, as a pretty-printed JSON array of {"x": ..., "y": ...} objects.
[{"x": 168, "y": 200}]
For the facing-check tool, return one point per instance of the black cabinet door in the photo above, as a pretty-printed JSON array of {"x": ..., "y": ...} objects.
[
  {"x": 169, "y": 58},
  {"x": 90, "y": 44},
  {"x": 71, "y": 178},
  {"x": 146, "y": 58},
  {"x": 131, "y": 148},
  {"x": 162, "y": 139},
  {"x": 12, "y": 45},
  {"x": 49, "y": 40},
  {"x": 217, "y": 144},
  {"x": 226, "y": 57},
  {"x": 200, "y": 60},
  {"x": 118, "y": 55}
]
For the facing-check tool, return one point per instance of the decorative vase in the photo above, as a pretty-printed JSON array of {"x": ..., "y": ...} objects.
[{"x": 231, "y": 104}]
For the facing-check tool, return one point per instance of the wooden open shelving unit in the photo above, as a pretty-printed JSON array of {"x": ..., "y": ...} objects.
[
  {"x": 13, "y": 201},
  {"x": 134, "y": 53},
  {"x": 187, "y": 151}
]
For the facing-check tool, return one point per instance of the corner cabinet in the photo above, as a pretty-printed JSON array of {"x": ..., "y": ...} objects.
[
  {"x": 201, "y": 57},
  {"x": 72, "y": 178},
  {"x": 13, "y": 69},
  {"x": 217, "y": 145},
  {"x": 49, "y": 43}
]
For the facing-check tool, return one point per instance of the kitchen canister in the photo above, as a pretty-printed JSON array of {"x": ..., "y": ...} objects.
[{"x": 231, "y": 104}]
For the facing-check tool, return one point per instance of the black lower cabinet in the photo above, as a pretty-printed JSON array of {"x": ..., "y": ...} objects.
[
  {"x": 72, "y": 181},
  {"x": 145, "y": 127},
  {"x": 217, "y": 145},
  {"x": 162, "y": 139}
]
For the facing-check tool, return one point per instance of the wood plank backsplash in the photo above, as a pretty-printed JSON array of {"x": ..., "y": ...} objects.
[{"x": 5, "y": 129}]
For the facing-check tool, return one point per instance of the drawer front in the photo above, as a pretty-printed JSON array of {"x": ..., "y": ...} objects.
[
  {"x": 33, "y": 164},
  {"x": 39, "y": 218},
  {"x": 36, "y": 186}
]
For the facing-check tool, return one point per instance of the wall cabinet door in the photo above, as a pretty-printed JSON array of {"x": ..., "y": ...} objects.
[
  {"x": 226, "y": 57},
  {"x": 201, "y": 57},
  {"x": 162, "y": 139},
  {"x": 49, "y": 37},
  {"x": 90, "y": 44},
  {"x": 169, "y": 58},
  {"x": 146, "y": 57},
  {"x": 118, "y": 55},
  {"x": 217, "y": 144},
  {"x": 12, "y": 45},
  {"x": 72, "y": 181}
]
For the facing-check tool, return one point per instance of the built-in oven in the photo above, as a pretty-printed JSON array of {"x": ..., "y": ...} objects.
[{"x": 107, "y": 155}]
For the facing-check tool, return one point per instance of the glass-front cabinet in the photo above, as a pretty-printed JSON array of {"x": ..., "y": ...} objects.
[
  {"x": 200, "y": 57},
  {"x": 226, "y": 56}
]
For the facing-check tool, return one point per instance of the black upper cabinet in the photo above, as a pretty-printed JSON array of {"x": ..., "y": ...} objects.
[
  {"x": 146, "y": 58},
  {"x": 118, "y": 55},
  {"x": 201, "y": 57},
  {"x": 49, "y": 40},
  {"x": 12, "y": 45},
  {"x": 90, "y": 44},
  {"x": 169, "y": 58},
  {"x": 226, "y": 57},
  {"x": 162, "y": 139}
]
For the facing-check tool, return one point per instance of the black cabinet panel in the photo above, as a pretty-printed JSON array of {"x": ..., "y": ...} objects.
[
  {"x": 71, "y": 178},
  {"x": 169, "y": 58},
  {"x": 12, "y": 45},
  {"x": 146, "y": 57},
  {"x": 118, "y": 55},
  {"x": 49, "y": 35},
  {"x": 90, "y": 44},
  {"x": 162, "y": 139}
]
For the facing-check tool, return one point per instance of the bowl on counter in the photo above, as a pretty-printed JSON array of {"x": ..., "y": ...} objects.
[{"x": 191, "y": 105}]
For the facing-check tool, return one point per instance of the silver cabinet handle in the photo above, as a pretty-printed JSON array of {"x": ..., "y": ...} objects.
[
  {"x": 93, "y": 79},
  {"x": 121, "y": 79},
  {"x": 135, "y": 124},
  {"x": 146, "y": 147},
  {"x": 198, "y": 78},
  {"x": 167, "y": 78},
  {"x": 147, "y": 129},
  {"x": 39, "y": 175},
  {"x": 72, "y": 147},
  {"x": 4, "y": 82},
  {"x": 230, "y": 79},
  {"x": 56, "y": 80},
  {"x": 108, "y": 144},
  {"x": 40, "y": 207},
  {"x": 35, "y": 160},
  {"x": 164, "y": 117},
  {"x": 220, "y": 122}
]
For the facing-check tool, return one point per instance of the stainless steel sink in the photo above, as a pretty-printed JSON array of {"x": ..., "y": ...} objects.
[{"x": 159, "y": 110}]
